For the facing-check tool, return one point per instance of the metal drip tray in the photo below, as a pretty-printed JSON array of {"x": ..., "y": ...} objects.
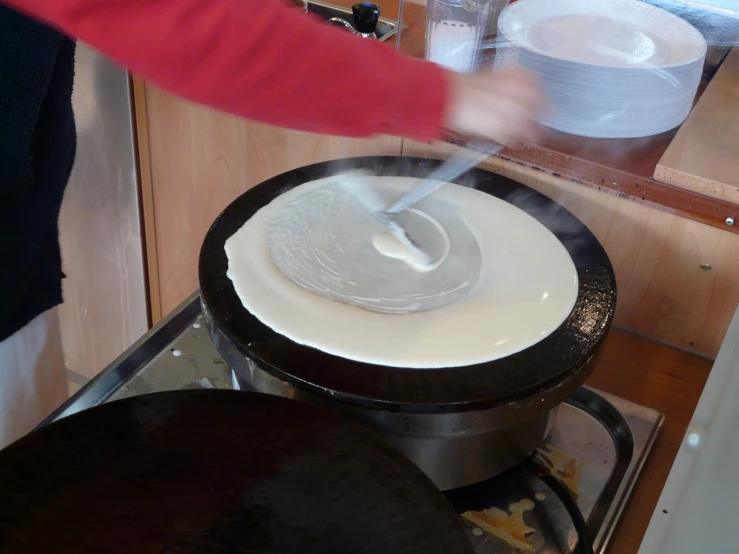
[
  {"x": 386, "y": 28},
  {"x": 607, "y": 438}
]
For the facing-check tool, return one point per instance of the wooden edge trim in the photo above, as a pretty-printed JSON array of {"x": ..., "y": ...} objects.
[
  {"x": 143, "y": 157},
  {"x": 686, "y": 203}
]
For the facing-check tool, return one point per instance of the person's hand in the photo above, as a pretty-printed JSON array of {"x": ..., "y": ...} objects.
[{"x": 500, "y": 106}]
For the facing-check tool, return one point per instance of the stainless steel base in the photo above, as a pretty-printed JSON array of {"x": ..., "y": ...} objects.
[
  {"x": 609, "y": 437},
  {"x": 460, "y": 461},
  {"x": 454, "y": 449}
]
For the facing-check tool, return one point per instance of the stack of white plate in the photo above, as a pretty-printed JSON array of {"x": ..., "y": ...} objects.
[{"x": 611, "y": 68}]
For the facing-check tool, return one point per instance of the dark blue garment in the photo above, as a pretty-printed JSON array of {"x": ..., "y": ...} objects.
[{"x": 37, "y": 147}]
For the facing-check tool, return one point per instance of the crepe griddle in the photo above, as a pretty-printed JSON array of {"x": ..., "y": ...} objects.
[
  {"x": 556, "y": 360},
  {"x": 217, "y": 472}
]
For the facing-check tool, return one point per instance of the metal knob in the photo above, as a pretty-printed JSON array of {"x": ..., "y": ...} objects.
[{"x": 366, "y": 16}]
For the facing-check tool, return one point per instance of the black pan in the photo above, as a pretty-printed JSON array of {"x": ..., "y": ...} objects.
[
  {"x": 543, "y": 366},
  {"x": 217, "y": 472}
]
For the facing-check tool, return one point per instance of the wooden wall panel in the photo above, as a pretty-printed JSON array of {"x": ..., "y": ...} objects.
[
  {"x": 201, "y": 160},
  {"x": 666, "y": 290},
  {"x": 104, "y": 308}
]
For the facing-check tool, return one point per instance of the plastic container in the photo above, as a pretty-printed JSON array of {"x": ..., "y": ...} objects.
[{"x": 455, "y": 30}]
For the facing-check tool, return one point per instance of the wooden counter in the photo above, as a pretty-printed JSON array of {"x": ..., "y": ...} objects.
[{"x": 661, "y": 378}]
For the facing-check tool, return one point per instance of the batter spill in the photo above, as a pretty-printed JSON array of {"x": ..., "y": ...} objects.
[
  {"x": 565, "y": 468},
  {"x": 508, "y": 526}
]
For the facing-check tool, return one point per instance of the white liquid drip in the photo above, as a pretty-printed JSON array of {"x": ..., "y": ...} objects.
[{"x": 388, "y": 245}]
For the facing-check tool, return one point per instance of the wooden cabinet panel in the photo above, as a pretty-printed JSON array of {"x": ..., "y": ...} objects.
[
  {"x": 200, "y": 160},
  {"x": 677, "y": 278}
]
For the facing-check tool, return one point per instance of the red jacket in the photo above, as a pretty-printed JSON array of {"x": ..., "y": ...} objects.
[{"x": 261, "y": 60}]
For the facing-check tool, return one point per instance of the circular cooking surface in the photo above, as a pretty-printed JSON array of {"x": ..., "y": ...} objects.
[
  {"x": 555, "y": 359},
  {"x": 525, "y": 283},
  {"x": 216, "y": 472}
]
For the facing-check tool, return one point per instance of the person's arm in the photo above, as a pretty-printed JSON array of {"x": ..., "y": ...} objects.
[{"x": 261, "y": 60}]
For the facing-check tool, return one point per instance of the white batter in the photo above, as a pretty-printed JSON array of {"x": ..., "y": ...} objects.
[
  {"x": 526, "y": 288},
  {"x": 328, "y": 241}
]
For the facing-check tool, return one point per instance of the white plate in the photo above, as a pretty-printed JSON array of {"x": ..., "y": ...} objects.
[
  {"x": 610, "y": 33},
  {"x": 610, "y": 68}
]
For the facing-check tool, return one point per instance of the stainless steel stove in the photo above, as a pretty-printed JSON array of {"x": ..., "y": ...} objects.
[{"x": 604, "y": 439}]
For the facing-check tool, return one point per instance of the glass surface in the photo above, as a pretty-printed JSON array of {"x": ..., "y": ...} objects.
[
  {"x": 697, "y": 509},
  {"x": 455, "y": 31}
]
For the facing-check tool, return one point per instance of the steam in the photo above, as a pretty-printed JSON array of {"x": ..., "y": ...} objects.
[
  {"x": 569, "y": 230},
  {"x": 457, "y": 171},
  {"x": 553, "y": 215}
]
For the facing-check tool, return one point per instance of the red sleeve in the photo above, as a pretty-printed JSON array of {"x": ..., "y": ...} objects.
[{"x": 261, "y": 60}]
